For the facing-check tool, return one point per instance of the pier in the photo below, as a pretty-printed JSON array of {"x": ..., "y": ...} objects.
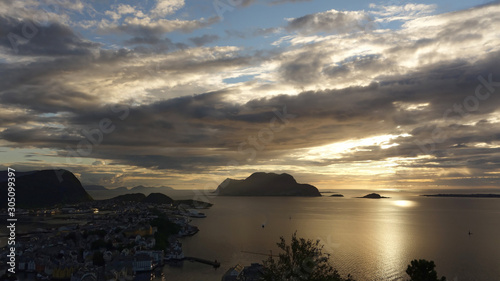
[{"x": 214, "y": 263}]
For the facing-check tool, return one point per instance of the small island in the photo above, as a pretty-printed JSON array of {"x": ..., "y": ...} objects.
[
  {"x": 336, "y": 195},
  {"x": 373, "y": 196},
  {"x": 266, "y": 184},
  {"x": 464, "y": 195}
]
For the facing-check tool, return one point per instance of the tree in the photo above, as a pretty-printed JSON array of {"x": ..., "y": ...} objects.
[
  {"x": 98, "y": 259},
  {"x": 302, "y": 260},
  {"x": 423, "y": 270}
]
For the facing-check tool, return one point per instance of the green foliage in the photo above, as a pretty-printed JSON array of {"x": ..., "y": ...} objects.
[
  {"x": 165, "y": 229},
  {"x": 161, "y": 241},
  {"x": 100, "y": 232},
  {"x": 71, "y": 236},
  {"x": 98, "y": 259},
  {"x": 423, "y": 270},
  {"x": 100, "y": 243},
  {"x": 302, "y": 260}
]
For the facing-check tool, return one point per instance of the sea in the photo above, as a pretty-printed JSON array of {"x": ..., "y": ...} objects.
[{"x": 371, "y": 239}]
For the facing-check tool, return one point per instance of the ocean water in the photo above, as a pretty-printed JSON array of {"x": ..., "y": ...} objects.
[{"x": 371, "y": 239}]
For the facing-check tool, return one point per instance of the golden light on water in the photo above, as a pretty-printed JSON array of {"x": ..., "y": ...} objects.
[{"x": 405, "y": 203}]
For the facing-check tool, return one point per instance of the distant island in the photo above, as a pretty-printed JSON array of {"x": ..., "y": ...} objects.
[
  {"x": 464, "y": 195},
  {"x": 336, "y": 195},
  {"x": 266, "y": 184},
  {"x": 139, "y": 188},
  {"x": 373, "y": 196},
  {"x": 45, "y": 188},
  {"x": 158, "y": 198}
]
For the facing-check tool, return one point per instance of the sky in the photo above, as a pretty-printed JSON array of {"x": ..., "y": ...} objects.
[{"x": 340, "y": 94}]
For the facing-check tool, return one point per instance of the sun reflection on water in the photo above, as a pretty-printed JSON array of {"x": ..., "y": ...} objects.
[{"x": 405, "y": 203}]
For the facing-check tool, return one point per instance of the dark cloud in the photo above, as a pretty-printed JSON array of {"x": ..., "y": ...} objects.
[
  {"x": 181, "y": 133},
  {"x": 48, "y": 98},
  {"x": 266, "y": 31},
  {"x": 235, "y": 33},
  {"x": 304, "y": 70},
  {"x": 25, "y": 37},
  {"x": 204, "y": 39},
  {"x": 154, "y": 44}
]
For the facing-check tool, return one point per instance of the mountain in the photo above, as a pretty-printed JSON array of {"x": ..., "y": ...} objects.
[
  {"x": 100, "y": 192},
  {"x": 150, "y": 189},
  {"x": 155, "y": 198},
  {"x": 158, "y": 198},
  {"x": 131, "y": 197},
  {"x": 94, "y": 187},
  {"x": 44, "y": 188},
  {"x": 266, "y": 184}
]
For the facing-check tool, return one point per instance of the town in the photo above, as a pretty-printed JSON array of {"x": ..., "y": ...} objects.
[{"x": 101, "y": 240}]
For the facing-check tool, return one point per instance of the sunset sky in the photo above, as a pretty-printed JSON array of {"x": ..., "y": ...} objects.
[{"x": 180, "y": 93}]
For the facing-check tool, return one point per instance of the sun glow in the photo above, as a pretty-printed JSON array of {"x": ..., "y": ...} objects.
[
  {"x": 405, "y": 203},
  {"x": 335, "y": 150}
]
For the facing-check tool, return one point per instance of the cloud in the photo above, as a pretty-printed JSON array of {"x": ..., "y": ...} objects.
[
  {"x": 359, "y": 99},
  {"x": 204, "y": 39},
  {"x": 204, "y": 131},
  {"x": 26, "y": 38},
  {"x": 385, "y": 13},
  {"x": 330, "y": 22},
  {"x": 147, "y": 26},
  {"x": 121, "y": 10},
  {"x": 166, "y": 7}
]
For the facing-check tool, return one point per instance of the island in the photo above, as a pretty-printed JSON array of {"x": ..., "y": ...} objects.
[
  {"x": 373, "y": 196},
  {"x": 266, "y": 184},
  {"x": 464, "y": 195},
  {"x": 336, "y": 195}
]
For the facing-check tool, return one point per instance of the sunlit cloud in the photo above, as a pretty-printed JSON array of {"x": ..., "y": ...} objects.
[{"x": 368, "y": 88}]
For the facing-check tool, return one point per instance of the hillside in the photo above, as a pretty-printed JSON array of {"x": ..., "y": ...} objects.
[
  {"x": 45, "y": 188},
  {"x": 155, "y": 198}
]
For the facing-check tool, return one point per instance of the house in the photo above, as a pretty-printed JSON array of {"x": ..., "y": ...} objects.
[
  {"x": 233, "y": 273},
  {"x": 252, "y": 272},
  {"x": 142, "y": 263},
  {"x": 247, "y": 273}
]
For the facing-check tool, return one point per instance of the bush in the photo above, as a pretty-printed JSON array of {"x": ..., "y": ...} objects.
[
  {"x": 302, "y": 260},
  {"x": 423, "y": 270}
]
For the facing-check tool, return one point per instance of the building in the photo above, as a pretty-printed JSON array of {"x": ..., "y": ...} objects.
[
  {"x": 233, "y": 273},
  {"x": 247, "y": 273}
]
